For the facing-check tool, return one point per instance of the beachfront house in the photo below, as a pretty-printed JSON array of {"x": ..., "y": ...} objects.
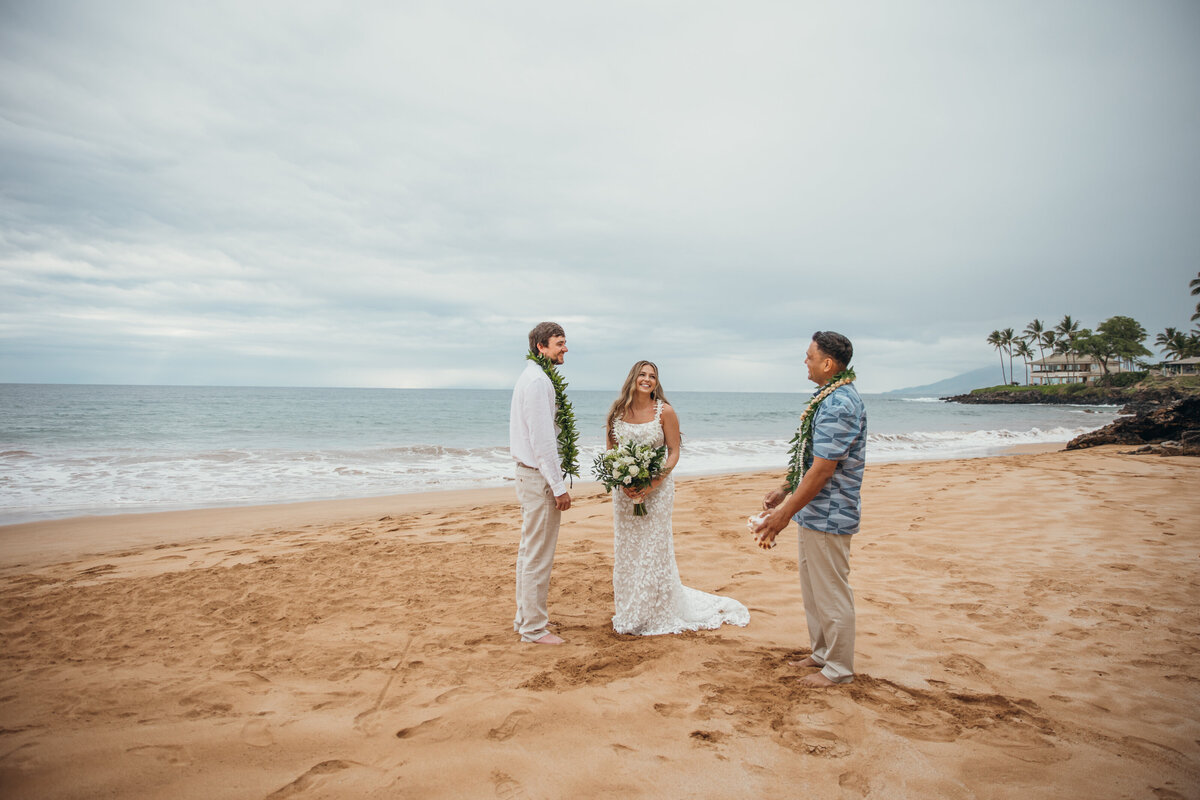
[
  {"x": 1181, "y": 366},
  {"x": 1062, "y": 368}
]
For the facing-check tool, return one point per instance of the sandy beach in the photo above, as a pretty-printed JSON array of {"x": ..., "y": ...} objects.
[{"x": 1028, "y": 626}]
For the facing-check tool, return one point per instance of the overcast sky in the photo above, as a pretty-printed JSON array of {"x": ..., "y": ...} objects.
[{"x": 392, "y": 194}]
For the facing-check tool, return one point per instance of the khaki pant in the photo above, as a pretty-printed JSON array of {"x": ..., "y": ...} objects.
[
  {"x": 828, "y": 601},
  {"x": 539, "y": 535}
]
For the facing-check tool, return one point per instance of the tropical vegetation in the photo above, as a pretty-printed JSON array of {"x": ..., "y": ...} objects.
[
  {"x": 1177, "y": 344},
  {"x": 1117, "y": 341}
]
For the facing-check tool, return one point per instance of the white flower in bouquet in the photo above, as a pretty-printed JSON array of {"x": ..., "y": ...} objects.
[{"x": 630, "y": 464}]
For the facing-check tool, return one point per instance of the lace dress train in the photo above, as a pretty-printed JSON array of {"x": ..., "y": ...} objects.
[{"x": 649, "y": 597}]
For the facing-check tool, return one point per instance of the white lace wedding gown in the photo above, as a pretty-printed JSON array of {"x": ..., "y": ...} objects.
[{"x": 649, "y": 597}]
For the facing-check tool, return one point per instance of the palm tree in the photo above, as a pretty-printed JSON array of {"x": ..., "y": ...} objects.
[
  {"x": 1025, "y": 353},
  {"x": 1048, "y": 341},
  {"x": 994, "y": 340},
  {"x": 1195, "y": 284},
  {"x": 1171, "y": 341},
  {"x": 1067, "y": 328},
  {"x": 1034, "y": 331},
  {"x": 1007, "y": 337},
  {"x": 1064, "y": 347},
  {"x": 1066, "y": 331}
]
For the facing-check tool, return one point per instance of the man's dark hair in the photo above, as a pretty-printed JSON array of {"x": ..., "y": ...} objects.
[
  {"x": 542, "y": 333},
  {"x": 835, "y": 346}
]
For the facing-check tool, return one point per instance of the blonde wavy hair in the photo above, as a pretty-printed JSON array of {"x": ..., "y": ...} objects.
[{"x": 624, "y": 401}]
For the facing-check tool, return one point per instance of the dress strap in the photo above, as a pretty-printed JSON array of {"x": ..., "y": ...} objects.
[{"x": 658, "y": 411}]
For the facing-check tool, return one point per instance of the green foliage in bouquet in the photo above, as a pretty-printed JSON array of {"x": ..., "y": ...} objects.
[{"x": 632, "y": 465}]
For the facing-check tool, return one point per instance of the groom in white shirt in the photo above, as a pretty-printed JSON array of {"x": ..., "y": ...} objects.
[{"x": 541, "y": 490}]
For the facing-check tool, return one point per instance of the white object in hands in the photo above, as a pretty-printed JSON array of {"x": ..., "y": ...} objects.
[{"x": 753, "y": 522}]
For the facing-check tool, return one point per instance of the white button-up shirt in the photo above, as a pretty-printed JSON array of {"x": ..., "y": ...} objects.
[{"x": 532, "y": 434}]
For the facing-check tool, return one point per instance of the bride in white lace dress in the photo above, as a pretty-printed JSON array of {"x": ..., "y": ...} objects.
[{"x": 649, "y": 597}]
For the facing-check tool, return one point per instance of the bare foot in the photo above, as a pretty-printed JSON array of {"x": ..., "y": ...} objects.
[
  {"x": 549, "y": 638},
  {"x": 817, "y": 681},
  {"x": 807, "y": 661}
]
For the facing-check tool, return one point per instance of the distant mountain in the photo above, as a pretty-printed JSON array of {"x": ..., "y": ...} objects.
[{"x": 959, "y": 384}]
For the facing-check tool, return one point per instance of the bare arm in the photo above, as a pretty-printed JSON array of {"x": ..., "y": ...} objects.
[
  {"x": 785, "y": 506},
  {"x": 670, "y": 423}
]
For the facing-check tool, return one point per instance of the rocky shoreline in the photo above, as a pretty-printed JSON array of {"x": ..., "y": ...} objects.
[
  {"x": 1090, "y": 396},
  {"x": 1172, "y": 429},
  {"x": 1161, "y": 419}
]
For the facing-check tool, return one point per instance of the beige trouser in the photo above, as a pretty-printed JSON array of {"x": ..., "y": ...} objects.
[
  {"x": 828, "y": 601},
  {"x": 539, "y": 535}
]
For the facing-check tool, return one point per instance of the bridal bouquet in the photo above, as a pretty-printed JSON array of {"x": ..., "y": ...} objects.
[{"x": 632, "y": 465}]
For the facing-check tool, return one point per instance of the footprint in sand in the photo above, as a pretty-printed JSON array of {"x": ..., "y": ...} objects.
[
  {"x": 854, "y": 782},
  {"x": 173, "y": 754},
  {"x": 248, "y": 679},
  {"x": 508, "y": 787},
  {"x": 958, "y": 664},
  {"x": 314, "y": 778},
  {"x": 506, "y": 729},
  {"x": 707, "y": 738},
  {"x": 420, "y": 728},
  {"x": 449, "y": 694},
  {"x": 815, "y": 742},
  {"x": 670, "y": 709},
  {"x": 257, "y": 733},
  {"x": 1161, "y": 793}
]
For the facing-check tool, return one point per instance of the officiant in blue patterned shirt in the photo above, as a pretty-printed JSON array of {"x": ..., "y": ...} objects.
[{"x": 823, "y": 495}]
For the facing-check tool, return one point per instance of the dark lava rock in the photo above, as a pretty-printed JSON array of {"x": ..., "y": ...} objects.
[
  {"x": 1134, "y": 399},
  {"x": 1176, "y": 423}
]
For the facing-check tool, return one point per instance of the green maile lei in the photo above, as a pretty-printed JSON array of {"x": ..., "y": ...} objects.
[
  {"x": 564, "y": 417},
  {"x": 802, "y": 443}
]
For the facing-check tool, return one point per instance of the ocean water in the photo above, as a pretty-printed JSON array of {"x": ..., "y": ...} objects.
[{"x": 68, "y": 450}]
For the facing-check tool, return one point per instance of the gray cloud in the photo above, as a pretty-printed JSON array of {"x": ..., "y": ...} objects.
[{"x": 391, "y": 194}]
